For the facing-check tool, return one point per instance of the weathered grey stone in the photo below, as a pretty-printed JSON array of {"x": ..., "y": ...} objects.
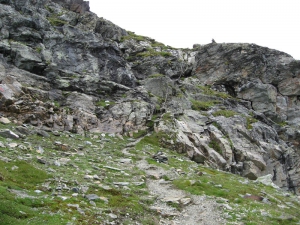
[
  {"x": 23, "y": 130},
  {"x": 8, "y": 134},
  {"x": 263, "y": 96},
  {"x": 250, "y": 170},
  {"x": 25, "y": 57},
  {"x": 2, "y": 145},
  {"x": 121, "y": 183},
  {"x": 80, "y": 102},
  {"x": 290, "y": 87},
  {"x": 42, "y": 133},
  {"x": 55, "y": 75},
  {"x": 92, "y": 197},
  {"x": 12, "y": 145},
  {"x": 109, "y": 30},
  {"x": 4, "y": 120},
  {"x": 267, "y": 180}
]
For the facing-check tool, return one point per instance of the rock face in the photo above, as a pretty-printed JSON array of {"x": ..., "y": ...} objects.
[
  {"x": 231, "y": 106},
  {"x": 78, "y": 6}
]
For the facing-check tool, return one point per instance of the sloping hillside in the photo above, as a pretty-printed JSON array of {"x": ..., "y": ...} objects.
[{"x": 91, "y": 104}]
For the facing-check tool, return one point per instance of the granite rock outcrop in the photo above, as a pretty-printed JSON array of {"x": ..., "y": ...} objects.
[{"x": 233, "y": 107}]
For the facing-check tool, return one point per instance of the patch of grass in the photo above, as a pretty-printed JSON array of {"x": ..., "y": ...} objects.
[
  {"x": 223, "y": 186},
  {"x": 226, "y": 113},
  {"x": 249, "y": 122},
  {"x": 56, "y": 104},
  {"x": 233, "y": 190},
  {"x": 167, "y": 117},
  {"x": 203, "y": 105},
  {"x": 20, "y": 174},
  {"x": 217, "y": 125},
  {"x": 156, "y": 139},
  {"x": 165, "y": 54},
  {"x": 208, "y": 91},
  {"x": 38, "y": 49},
  {"x": 49, "y": 9},
  {"x": 46, "y": 208},
  {"x": 156, "y": 75},
  {"x": 140, "y": 133},
  {"x": 155, "y": 44},
  {"x": 55, "y": 21},
  {"x": 150, "y": 123},
  {"x": 215, "y": 145},
  {"x": 165, "y": 177},
  {"x": 132, "y": 35},
  {"x": 128, "y": 203},
  {"x": 283, "y": 123},
  {"x": 104, "y": 103}
]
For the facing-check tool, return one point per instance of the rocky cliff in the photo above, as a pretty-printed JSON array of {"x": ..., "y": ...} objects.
[{"x": 234, "y": 107}]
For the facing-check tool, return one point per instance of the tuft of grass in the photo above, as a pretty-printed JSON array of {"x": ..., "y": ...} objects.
[
  {"x": 49, "y": 9},
  {"x": 156, "y": 75},
  {"x": 203, "y": 105},
  {"x": 55, "y": 21},
  {"x": 249, "y": 122},
  {"x": 167, "y": 117},
  {"x": 156, "y": 139},
  {"x": 283, "y": 123},
  {"x": 208, "y": 91},
  {"x": 150, "y": 123},
  {"x": 38, "y": 49},
  {"x": 140, "y": 133},
  {"x": 226, "y": 113},
  {"x": 104, "y": 103},
  {"x": 132, "y": 35},
  {"x": 155, "y": 44},
  {"x": 215, "y": 145},
  {"x": 56, "y": 104}
]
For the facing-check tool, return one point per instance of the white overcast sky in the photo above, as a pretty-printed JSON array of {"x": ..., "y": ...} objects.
[{"x": 182, "y": 23}]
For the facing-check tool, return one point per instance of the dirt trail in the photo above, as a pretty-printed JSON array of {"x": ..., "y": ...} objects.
[{"x": 193, "y": 209}]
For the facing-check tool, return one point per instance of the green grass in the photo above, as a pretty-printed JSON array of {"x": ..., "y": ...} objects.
[
  {"x": 226, "y": 113},
  {"x": 154, "y": 44},
  {"x": 47, "y": 208},
  {"x": 132, "y": 35},
  {"x": 150, "y": 123},
  {"x": 54, "y": 21},
  {"x": 249, "y": 122},
  {"x": 104, "y": 103},
  {"x": 38, "y": 49},
  {"x": 158, "y": 44},
  {"x": 283, "y": 123},
  {"x": 203, "y": 105},
  {"x": 156, "y": 75},
  {"x": 208, "y": 91},
  {"x": 215, "y": 145},
  {"x": 20, "y": 175},
  {"x": 167, "y": 117},
  {"x": 25, "y": 176},
  {"x": 232, "y": 187},
  {"x": 233, "y": 190},
  {"x": 140, "y": 133}
]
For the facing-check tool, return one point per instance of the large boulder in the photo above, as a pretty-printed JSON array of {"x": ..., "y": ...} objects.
[{"x": 253, "y": 73}]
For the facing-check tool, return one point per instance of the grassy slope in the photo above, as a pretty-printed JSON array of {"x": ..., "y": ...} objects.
[{"x": 130, "y": 204}]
